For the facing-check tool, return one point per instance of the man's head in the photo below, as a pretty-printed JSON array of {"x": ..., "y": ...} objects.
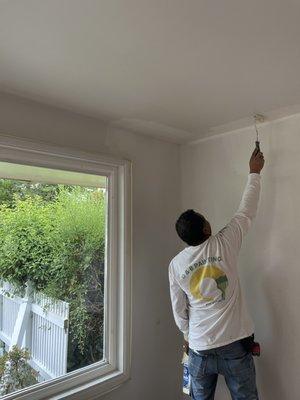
[{"x": 193, "y": 228}]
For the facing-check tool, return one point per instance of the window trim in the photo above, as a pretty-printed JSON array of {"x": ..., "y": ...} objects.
[{"x": 101, "y": 377}]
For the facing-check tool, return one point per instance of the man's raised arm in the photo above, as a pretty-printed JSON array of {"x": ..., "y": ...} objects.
[{"x": 239, "y": 225}]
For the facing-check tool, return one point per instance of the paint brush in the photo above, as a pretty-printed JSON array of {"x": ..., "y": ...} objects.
[{"x": 257, "y": 118}]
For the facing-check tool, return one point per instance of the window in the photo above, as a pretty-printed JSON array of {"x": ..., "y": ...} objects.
[{"x": 65, "y": 271}]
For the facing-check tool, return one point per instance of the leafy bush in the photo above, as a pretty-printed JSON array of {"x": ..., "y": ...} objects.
[
  {"x": 26, "y": 251},
  {"x": 59, "y": 246},
  {"x": 10, "y": 188},
  {"x": 15, "y": 372}
]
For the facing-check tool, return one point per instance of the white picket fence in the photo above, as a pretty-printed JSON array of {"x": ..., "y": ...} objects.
[{"x": 39, "y": 324}]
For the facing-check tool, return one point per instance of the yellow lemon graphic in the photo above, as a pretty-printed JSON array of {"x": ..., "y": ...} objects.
[{"x": 208, "y": 271}]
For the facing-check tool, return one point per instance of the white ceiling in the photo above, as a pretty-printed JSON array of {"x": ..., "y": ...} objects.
[{"x": 168, "y": 68}]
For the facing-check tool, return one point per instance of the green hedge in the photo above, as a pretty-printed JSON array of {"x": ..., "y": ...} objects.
[{"x": 59, "y": 245}]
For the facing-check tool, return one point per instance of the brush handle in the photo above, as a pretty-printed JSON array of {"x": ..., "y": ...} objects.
[{"x": 257, "y": 145}]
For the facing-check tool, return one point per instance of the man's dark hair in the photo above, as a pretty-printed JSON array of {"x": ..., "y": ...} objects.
[{"x": 189, "y": 227}]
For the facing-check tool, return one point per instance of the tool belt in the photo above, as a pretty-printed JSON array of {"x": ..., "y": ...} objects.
[{"x": 251, "y": 346}]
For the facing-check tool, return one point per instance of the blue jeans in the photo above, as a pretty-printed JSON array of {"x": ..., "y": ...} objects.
[{"x": 232, "y": 361}]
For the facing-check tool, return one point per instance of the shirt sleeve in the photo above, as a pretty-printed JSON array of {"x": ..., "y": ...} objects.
[
  {"x": 179, "y": 302},
  {"x": 239, "y": 225}
]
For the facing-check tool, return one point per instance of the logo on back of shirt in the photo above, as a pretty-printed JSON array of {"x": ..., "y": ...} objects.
[{"x": 208, "y": 283}]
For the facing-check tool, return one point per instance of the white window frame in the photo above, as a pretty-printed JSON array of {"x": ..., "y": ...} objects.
[{"x": 99, "y": 378}]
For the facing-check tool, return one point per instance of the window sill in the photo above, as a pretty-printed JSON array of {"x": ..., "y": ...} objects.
[
  {"x": 96, "y": 389},
  {"x": 89, "y": 390}
]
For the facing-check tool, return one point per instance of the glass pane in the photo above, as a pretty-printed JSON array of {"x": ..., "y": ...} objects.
[{"x": 52, "y": 267}]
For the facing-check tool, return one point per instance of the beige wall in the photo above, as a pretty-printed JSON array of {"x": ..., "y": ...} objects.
[
  {"x": 156, "y": 343},
  {"x": 213, "y": 176}
]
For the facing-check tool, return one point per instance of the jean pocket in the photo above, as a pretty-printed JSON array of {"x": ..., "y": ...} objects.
[
  {"x": 241, "y": 366},
  {"x": 197, "y": 364}
]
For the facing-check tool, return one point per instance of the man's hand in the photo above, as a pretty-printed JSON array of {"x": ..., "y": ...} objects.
[
  {"x": 256, "y": 162},
  {"x": 185, "y": 347}
]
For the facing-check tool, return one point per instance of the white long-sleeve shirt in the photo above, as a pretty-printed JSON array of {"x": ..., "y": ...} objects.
[{"x": 207, "y": 301}]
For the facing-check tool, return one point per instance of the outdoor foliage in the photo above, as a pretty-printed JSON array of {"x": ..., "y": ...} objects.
[
  {"x": 10, "y": 188},
  {"x": 54, "y": 236},
  {"x": 15, "y": 372}
]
